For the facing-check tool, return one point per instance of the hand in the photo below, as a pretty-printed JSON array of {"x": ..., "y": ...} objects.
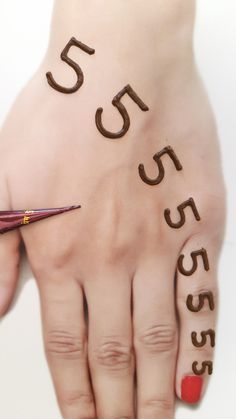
[{"x": 117, "y": 257}]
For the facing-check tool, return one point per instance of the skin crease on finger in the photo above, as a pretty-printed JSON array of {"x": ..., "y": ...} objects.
[{"x": 152, "y": 199}]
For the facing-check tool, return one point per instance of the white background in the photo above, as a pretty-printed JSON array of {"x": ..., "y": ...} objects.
[{"x": 26, "y": 391}]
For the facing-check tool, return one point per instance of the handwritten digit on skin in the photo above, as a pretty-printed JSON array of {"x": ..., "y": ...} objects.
[
  {"x": 157, "y": 158},
  {"x": 189, "y": 203},
  {"x": 122, "y": 110},
  {"x": 202, "y": 297},
  {"x": 73, "y": 64},
  {"x": 200, "y": 344},
  {"x": 194, "y": 255},
  {"x": 206, "y": 365}
]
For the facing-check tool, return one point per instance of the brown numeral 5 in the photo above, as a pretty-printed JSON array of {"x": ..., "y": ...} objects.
[
  {"x": 206, "y": 365},
  {"x": 194, "y": 255},
  {"x": 73, "y": 64},
  {"x": 202, "y": 297},
  {"x": 121, "y": 108},
  {"x": 157, "y": 157},
  {"x": 204, "y": 335},
  {"x": 189, "y": 203}
]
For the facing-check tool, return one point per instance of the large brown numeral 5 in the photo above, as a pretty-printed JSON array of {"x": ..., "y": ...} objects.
[
  {"x": 117, "y": 103},
  {"x": 73, "y": 64},
  {"x": 157, "y": 157},
  {"x": 202, "y": 297},
  {"x": 204, "y": 335},
  {"x": 189, "y": 203},
  {"x": 194, "y": 255},
  {"x": 205, "y": 365}
]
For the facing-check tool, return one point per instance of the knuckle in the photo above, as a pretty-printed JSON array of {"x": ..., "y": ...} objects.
[
  {"x": 200, "y": 354},
  {"x": 113, "y": 354},
  {"x": 213, "y": 211},
  {"x": 120, "y": 417},
  {"x": 116, "y": 253},
  {"x": 158, "y": 404},
  {"x": 51, "y": 259},
  {"x": 57, "y": 260},
  {"x": 62, "y": 344},
  {"x": 158, "y": 338},
  {"x": 68, "y": 399}
]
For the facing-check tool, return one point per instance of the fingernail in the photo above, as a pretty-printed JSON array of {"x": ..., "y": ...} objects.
[{"x": 191, "y": 389}]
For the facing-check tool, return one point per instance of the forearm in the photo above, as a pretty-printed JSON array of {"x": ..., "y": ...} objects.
[
  {"x": 106, "y": 22},
  {"x": 130, "y": 40}
]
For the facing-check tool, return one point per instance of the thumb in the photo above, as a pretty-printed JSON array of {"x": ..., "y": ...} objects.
[{"x": 9, "y": 258}]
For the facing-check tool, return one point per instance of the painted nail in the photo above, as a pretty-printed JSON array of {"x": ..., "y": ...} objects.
[{"x": 191, "y": 389}]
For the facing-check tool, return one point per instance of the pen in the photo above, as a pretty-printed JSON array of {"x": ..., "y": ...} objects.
[{"x": 11, "y": 220}]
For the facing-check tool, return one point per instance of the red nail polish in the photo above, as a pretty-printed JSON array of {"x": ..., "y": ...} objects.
[{"x": 191, "y": 389}]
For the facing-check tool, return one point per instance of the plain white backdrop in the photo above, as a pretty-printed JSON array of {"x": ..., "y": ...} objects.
[{"x": 26, "y": 391}]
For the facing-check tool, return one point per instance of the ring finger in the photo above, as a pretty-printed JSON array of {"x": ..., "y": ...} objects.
[
  {"x": 110, "y": 345},
  {"x": 155, "y": 339}
]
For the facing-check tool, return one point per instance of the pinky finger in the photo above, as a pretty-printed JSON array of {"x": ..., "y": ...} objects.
[{"x": 197, "y": 307}]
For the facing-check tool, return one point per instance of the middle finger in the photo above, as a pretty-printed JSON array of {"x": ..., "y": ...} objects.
[{"x": 110, "y": 345}]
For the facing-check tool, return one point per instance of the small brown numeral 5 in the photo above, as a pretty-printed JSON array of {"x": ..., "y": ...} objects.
[
  {"x": 121, "y": 108},
  {"x": 204, "y": 335},
  {"x": 189, "y": 203},
  {"x": 157, "y": 157},
  {"x": 73, "y": 64},
  {"x": 205, "y": 365},
  {"x": 194, "y": 255}
]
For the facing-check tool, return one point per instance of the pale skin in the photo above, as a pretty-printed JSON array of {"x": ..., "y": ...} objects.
[{"x": 117, "y": 252}]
